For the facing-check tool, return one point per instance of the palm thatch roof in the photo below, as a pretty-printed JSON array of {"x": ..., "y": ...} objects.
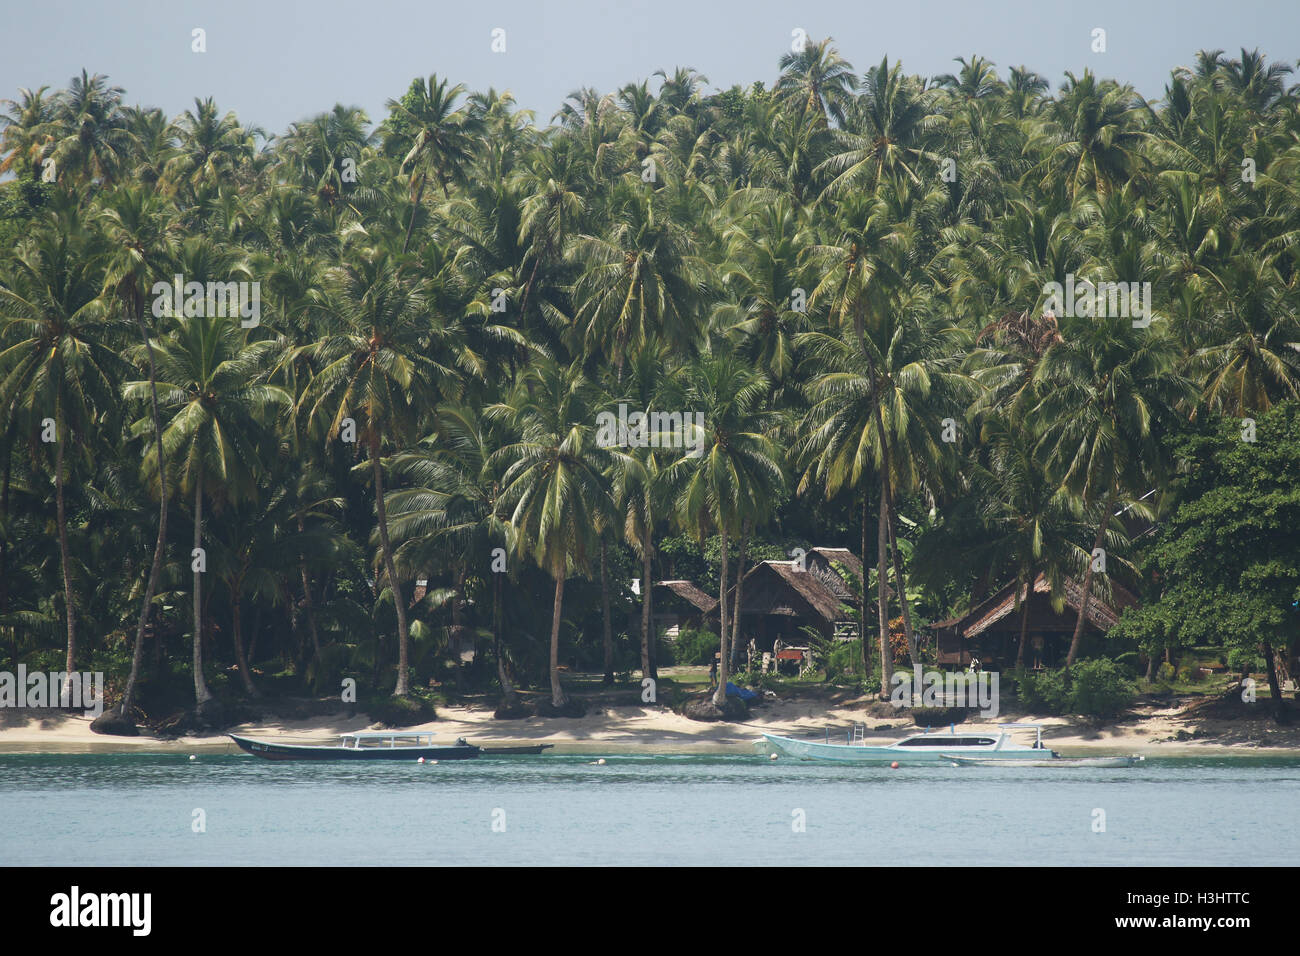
[
  {"x": 1102, "y": 613},
  {"x": 688, "y": 592}
]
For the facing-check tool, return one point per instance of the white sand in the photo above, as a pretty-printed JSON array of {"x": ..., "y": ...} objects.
[{"x": 637, "y": 729}]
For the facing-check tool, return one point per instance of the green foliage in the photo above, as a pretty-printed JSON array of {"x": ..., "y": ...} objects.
[
  {"x": 694, "y": 646},
  {"x": 401, "y": 711},
  {"x": 1227, "y": 560},
  {"x": 1097, "y": 688},
  {"x": 439, "y": 335}
]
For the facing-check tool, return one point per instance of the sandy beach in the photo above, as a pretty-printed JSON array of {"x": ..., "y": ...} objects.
[{"x": 628, "y": 729}]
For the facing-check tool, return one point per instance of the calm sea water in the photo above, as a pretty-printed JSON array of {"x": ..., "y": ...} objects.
[{"x": 638, "y": 810}]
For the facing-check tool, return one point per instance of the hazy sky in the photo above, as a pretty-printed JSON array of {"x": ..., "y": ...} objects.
[{"x": 275, "y": 62}]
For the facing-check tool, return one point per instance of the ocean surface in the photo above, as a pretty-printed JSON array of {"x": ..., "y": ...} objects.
[{"x": 140, "y": 809}]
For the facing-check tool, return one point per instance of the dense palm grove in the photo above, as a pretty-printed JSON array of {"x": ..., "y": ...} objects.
[{"x": 843, "y": 273}]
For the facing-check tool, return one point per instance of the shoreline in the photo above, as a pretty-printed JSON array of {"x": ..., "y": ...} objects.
[{"x": 621, "y": 730}]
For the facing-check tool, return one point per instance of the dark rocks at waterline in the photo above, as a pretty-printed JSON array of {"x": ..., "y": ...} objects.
[
  {"x": 939, "y": 716},
  {"x": 113, "y": 723},
  {"x": 512, "y": 709},
  {"x": 401, "y": 711},
  {"x": 705, "y": 709},
  {"x": 572, "y": 707}
]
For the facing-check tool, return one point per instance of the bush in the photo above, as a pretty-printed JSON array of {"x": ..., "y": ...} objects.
[
  {"x": 1096, "y": 688},
  {"x": 694, "y": 647},
  {"x": 1100, "y": 688},
  {"x": 843, "y": 658},
  {"x": 400, "y": 711},
  {"x": 665, "y": 652}
]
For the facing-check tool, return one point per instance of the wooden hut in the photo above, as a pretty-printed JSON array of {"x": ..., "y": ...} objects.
[{"x": 990, "y": 631}]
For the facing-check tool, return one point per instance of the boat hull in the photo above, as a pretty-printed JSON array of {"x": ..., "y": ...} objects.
[
  {"x": 274, "y": 751},
  {"x": 514, "y": 751},
  {"x": 846, "y": 753}
]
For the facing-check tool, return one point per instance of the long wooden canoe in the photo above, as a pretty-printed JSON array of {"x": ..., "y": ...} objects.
[
  {"x": 361, "y": 746},
  {"x": 512, "y": 751}
]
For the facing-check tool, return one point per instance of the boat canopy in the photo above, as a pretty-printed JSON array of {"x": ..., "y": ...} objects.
[
  {"x": 1037, "y": 728},
  {"x": 385, "y": 735}
]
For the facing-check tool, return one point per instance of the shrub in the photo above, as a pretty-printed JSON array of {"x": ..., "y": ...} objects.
[
  {"x": 1100, "y": 688},
  {"x": 400, "y": 711},
  {"x": 694, "y": 646},
  {"x": 1096, "y": 688},
  {"x": 844, "y": 658}
]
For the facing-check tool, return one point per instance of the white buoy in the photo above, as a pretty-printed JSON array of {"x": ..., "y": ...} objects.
[
  {"x": 421, "y": 760},
  {"x": 772, "y": 757},
  {"x": 600, "y": 762},
  {"x": 192, "y": 757},
  {"x": 433, "y": 761}
]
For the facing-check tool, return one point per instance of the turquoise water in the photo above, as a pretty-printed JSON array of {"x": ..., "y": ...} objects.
[{"x": 639, "y": 810}]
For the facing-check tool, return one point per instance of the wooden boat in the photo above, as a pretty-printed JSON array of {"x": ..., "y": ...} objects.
[
  {"x": 513, "y": 751},
  {"x": 967, "y": 761},
  {"x": 377, "y": 745},
  {"x": 917, "y": 748}
]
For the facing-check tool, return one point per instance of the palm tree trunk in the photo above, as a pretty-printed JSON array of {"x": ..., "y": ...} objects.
[
  {"x": 735, "y": 609},
  {"x": 507, "y": 689},
  {"x": 558, "y": 697},
  {"x": 528, "y": 288},
  {"x": 720, "y": 695},
  {"x": 201, "y": 693},
  {"x": 63, "y": 560},
  {"x": 882, "y": 596},
  {"x": 647, "y": 667},
  {"x": 862, "y": 617},
  {"x": 1274, "y": 687},
  {"x": 160, "y": 546},
  {"x": 307, "y": 606},
  {"x": 415, "y": 208},
  {"x": 912, "y": 650},
  {"x": 403, "y": 687},
  {"x": 1024, "y": 621},
  {"x": 1087, "y": 582},
  {"x": 887, "y": 498},
  {"x": 604, "y": 606},
  {"x": 236, "y": 632}
]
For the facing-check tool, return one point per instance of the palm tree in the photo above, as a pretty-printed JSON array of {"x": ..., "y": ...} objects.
[
  {"x": 138, "y": 229},
  {"x": 437, "y": 137},
  {"x": 1107, "y": 389},
  {"x": 380, "y": 364},
  {"x": 211, "y": 379},
  {"x": 737, "y": 476},
  {"x": 452, "y": 508},
  {"x": 640, "y": 279},
  {"x": 554, "y": 479},
  {"x": 211, "y": 149},
  {"x": 90, "y": 140},
  {"x": 815, "y": 82},
  {"x": 1095, "y": 139},
  {"x": 884, "y": 133},
  {"x": 1031, "y": 520},
  {"x": 55, "y": 362},
  {"x": 27, "y": 132}
]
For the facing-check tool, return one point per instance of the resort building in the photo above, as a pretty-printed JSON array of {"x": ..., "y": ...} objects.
[
  {"x": 778, "y": 599},
  {"x": 990, "y": 631}
]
